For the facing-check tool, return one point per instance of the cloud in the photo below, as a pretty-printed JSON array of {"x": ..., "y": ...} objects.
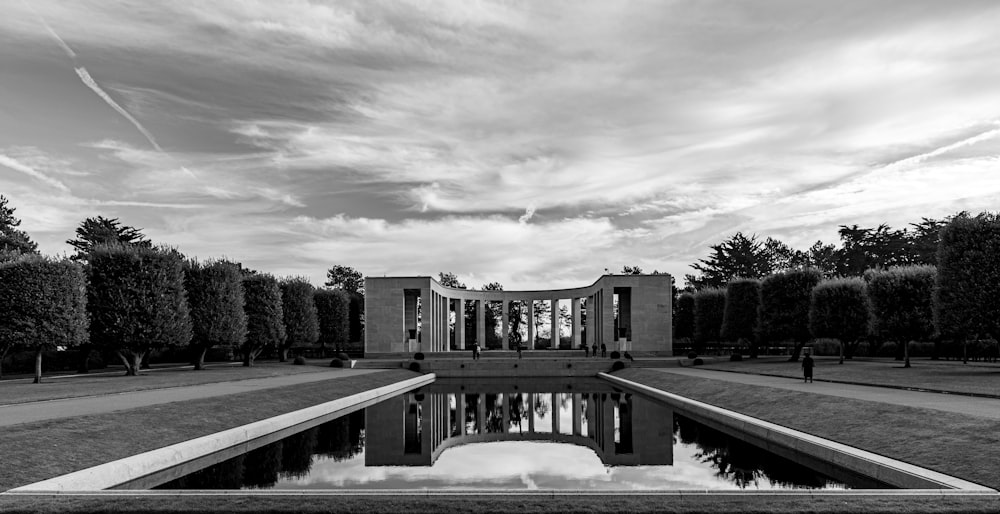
[{"x": 16, "y": 165}]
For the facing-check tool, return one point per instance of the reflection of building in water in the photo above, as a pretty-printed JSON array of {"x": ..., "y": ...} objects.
[{"x": 622, "y": 428}]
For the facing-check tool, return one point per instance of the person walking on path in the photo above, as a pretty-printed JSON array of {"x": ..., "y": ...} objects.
[
  {"x": 475, "y": 351},
  {"x": 807, "y": 368}
]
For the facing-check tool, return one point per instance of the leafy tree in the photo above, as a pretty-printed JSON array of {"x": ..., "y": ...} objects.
[
  {"x": 265, "y": 316},
  {"x": 709, "y": 308},
  {"x": 542, "y": 312},
  {"x": 215, "y": 299},
  {"x": 820, "y": 256},
  {"x": 966, "y": 299},
  {"x": 94, "y": 232},
  {"x": 333, "y": 309},
  {"x": 838, "y": 309},
  {"x": 299, "y": 310},
  {"x": 346, "y": 278},
  {"x": 902, "y": 304},
  {"x": 449, "y": 279},
  {"x": 44, "y": 305},
  {"x": 684, "y": 321},
  {"x": 739, "y": 321},
  {"x": 493, "y": 315},
  {"x": 784, "y": 307},
  {"x": 136, "y": 300},
  {"x": 740, "y": 257},
  {"x": 13, "y": 242},
  {"x": 924, "y": 240},
  {"x": 632, "y": 270}
]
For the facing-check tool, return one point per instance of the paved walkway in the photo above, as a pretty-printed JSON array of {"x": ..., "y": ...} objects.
[
  {"x": 70, "y": 407},
  {"x": 972, "y": 406}
]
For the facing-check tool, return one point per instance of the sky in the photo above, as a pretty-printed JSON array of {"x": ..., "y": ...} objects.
[{"x": 531, "y": 143}]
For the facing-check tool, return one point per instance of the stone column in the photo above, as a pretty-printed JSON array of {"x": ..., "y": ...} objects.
[
  {"x": 481, "y": 323},
  {"x": 530, "y": 306},
  {"x": 505, "y": 325},
  {"x": 409, "y": 319},
  {"x": 445, "y": 326},
  {"x": 577, "y": 327},
  {"x": 426, "y": 321},
  {"x": 460, "y": 412},
  {"x": 589, "y": 340},
  {"x": 505, "y": 409},
  {"x": 555, "y": 413},
  {"x": 531, "y": 413},
  {"x": 554, "y": 342},
  {"x": 608, "y": 318},
  {"x": 460, "y": 323},
  {"x": 577, "y": 424},
  {"x": 481, "y": 413}
]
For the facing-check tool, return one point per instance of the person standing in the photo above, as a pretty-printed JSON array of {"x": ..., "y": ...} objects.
[
  {"x": 518, "y": 350},
  {"x": 475, "y": 351},
  {"x": 604, "y": 350},
  {"x": 594, "y": 349},
  {"x": 586, "y": 351},
  {"x": 807, "y": 368}
]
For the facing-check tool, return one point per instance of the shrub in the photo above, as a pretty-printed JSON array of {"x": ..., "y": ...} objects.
[
  {"x": 838, "y": 309},
  {"x": 262, "y": 305},
  {"x": 784, "y": 307},
  {"x": 342, "y": 356},
  {"x": 299, "y": 314},
  {"x": 618, "y": 366},
  {"x": 415, "y": 366},
  {"x": 44, "y": 306},
  {"x": 418, "y": 356},
  {"x": 698, "y": 362},
  {"x": 336, "y": 363},
  {"x": 215, "y": 299},
  {"x": 332, "y": 309},
  {"x": 828, "y": 347},
  {"x": 709, "y": 306},
  {"x": 967, "y": 292},
  {"x": 902, "y": 303},
  {"x": 736, "y": 357},
  {"x": 692, "y": 355},
  {"x": 887, "y": 349},
  {"x": 739, "y": 319},
  {"x": 299, "y": 360},
  {"x": 615, "y": 355},
  {"x": 137, "y": 301},
  {"x": 684, "y": 320}
]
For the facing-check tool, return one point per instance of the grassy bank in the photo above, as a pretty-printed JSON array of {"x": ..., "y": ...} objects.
[
  {"x": 979, "y": 378},
  {"x": 954, "y": 444},
  {"x": 36, "y": 451}
]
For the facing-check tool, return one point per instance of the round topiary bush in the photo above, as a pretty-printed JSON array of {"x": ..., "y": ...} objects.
[
  {"x": 419, "y": 356},
  {"x": 415, "y": 366},
  {"x": 616, "y": 355},
  {"x": 618, "y": 365},
  {"x": 336, "y": 363},
  {"x": 299, "y": 361},
  {"x": 698, "y": 362},
  {"x": 342, "y": 356},
  {"x": 736, "y": 357},
  {"x": 692, "y": 355}
]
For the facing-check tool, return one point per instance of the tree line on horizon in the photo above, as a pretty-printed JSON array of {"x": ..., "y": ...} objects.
[{"x": 121, "y": 295}]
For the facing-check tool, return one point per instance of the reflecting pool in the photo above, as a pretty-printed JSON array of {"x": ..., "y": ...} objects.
[{"x": 536, "y": 434}]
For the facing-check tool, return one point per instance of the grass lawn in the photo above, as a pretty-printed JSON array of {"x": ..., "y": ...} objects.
[
  {"x": 20, "y": 391},
  {"x": 979, "y": 378},
  {"x": 501, "y": 504},
  {"x": 955, "y": 444},
  {"x": 36, "y": 451}
]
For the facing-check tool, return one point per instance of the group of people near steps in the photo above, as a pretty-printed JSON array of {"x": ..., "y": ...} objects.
[{"x": 477, "y": 351}]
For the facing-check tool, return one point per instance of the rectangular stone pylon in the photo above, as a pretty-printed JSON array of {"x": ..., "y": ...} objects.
[
  {"x": 505, "y": 325},
  {"x": 554, "y": 337},
  {"x": 460, "y": 324},
  {"x": 481, "y": 323},
  {"x": 577, "y": 328},
  {"x": 529, "y": 306}
]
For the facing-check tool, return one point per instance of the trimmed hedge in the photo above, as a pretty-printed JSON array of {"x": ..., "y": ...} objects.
[
  {"x": 784, "y": 307},
  {"x": 265, "y": 316},
  {"x": 902, "y": 301},
  {"x": 684, "y": 320},
  {"x": 333, "y": 311},
  {"x": 739, "y": 319},
  {"x": 137, "y": 301},
  {"x": 215, "y": 299},
  {"x": 967, "y": 292},
  {"x": 838, "y": 309},
  {"x": 299, "y": 309},
  {"x": 709, "y": 307},
  {"x": 44, "y": 306}
]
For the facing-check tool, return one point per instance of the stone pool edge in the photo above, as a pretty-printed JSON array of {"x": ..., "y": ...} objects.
[
  {"x": 110, "y": 474},
  {"x": 885, "y": 469}
]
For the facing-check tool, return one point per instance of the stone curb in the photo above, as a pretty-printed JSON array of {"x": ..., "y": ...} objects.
[
  {"x": 117, "y": 472},
  {"x": 884, "y": 469}
]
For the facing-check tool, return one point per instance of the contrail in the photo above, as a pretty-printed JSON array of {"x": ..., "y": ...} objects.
[
  {"x": 16, "y": 165},
  {"x": 92, "y": 84},
  {"x": 917, "y": 159}
]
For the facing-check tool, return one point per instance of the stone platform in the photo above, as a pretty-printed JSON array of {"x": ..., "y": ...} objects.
[{"x": 498, "y": 363}]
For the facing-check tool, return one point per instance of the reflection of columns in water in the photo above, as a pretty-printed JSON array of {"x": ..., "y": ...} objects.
[
  {"x": 554, "y": 411},
  {"x": 531, "y": 413},
  {"x": 576, "y": 414},
  {"x": 481, "y": 413},
  {"x": 460, "y": 413},
  {"x": 505, "y": 411}
]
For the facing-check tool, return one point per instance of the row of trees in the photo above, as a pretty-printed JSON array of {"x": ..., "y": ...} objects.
[
  {"x": 123, "y": 295},
  {"x": 956, "y": 299}
]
